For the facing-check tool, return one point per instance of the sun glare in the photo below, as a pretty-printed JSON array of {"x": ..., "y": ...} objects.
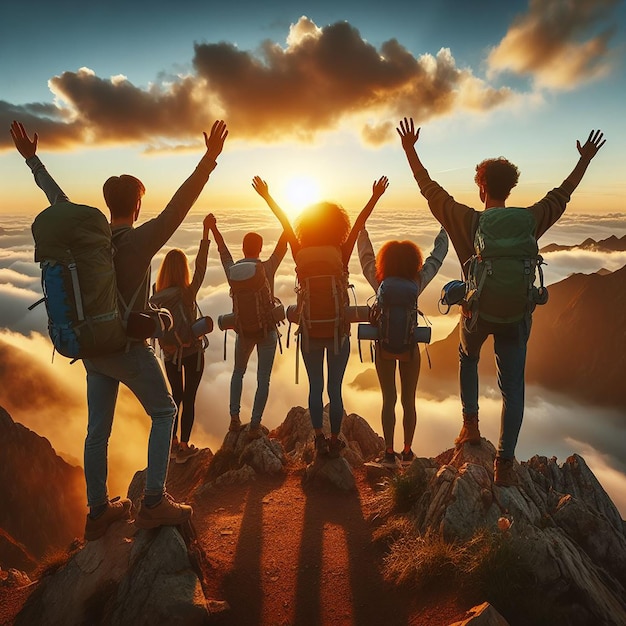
[{"x": 300, "y": 191}]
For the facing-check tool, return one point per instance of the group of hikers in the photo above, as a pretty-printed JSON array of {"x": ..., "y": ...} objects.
[{"x": 498, "y": 253}]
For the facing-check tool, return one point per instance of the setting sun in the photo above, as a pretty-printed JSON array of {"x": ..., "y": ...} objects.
[{"x": 299, "y": 192}]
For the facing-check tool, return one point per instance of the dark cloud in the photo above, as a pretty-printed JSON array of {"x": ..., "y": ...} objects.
[
  {"x": 558, "y": 43},
  {"x": 322, "y": 77}
]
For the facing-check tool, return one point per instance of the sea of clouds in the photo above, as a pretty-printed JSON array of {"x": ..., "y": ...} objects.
[{"x": 553, "y": 425}]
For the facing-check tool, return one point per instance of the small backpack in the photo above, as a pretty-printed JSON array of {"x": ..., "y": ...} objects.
[
  {"x": 73, "y": 247},
  {"x": 322, "y": 294},
  {"x": 395, "y": 314},
  {"x": 253, "y": 302},
  {"x": 502, "y": 272},
  {"x": 181, "y": 334}
]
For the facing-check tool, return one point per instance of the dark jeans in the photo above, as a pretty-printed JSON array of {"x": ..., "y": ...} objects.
[
  {"x": 184, "y": 384},
  {"x": 509, "y": 344},
  {"x": 336, "y": 363}
]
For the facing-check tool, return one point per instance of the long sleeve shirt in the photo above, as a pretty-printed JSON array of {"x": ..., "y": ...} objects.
[
  {"x": 460, "y": 221},
  {"x": 429, "y": 268},
  {"x": 135, "y": 247}
]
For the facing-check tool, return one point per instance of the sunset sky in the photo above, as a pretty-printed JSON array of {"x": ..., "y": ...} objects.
[{"x": 312, "y": 93}]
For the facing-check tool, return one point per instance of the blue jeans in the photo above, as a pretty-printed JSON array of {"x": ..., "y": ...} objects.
[
  {"x": 265, "y": 349},
  {"x": 509, "y": 343},
  {"x": 139, "y": 370},
  {"x": 336, "y": 363}
]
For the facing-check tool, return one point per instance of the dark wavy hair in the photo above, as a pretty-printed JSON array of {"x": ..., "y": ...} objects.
[
  {"x": 322, "y": 224},
  {"x": 497, "y": 176},
  {"x": 399, "y": 258}
]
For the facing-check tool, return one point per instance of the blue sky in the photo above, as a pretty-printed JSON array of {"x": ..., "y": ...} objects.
[{"x": 520, "y": 79}]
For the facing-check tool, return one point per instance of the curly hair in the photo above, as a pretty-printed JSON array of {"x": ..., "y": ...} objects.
[
  {"x": 497, "y": 176},
  {"x": 174, "y": 271},
  {"x": 322, "y": 224},
  {"x": 399, "y": 258}
]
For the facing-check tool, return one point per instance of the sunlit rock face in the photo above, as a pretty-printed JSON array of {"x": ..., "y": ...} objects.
[
  {"x": 562, "y": 523},
  {"x": 42, "y": 497}
]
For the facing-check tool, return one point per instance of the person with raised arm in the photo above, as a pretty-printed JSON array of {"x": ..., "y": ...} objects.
[
  {"x": 322, "y": 244},
  {"x": 513, "y": 233},
  {"x": 136, "y": 366}
]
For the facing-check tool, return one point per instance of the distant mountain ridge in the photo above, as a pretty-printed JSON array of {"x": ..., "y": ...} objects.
[
  {"x": 610, "y": 244},
  {"x": 41, "y": 495},
  {"x": 577, "y": 344}
]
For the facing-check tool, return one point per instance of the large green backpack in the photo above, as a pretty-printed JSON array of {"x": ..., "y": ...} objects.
[
  {"x": 73, "y": 247},
  {"x": 502, "y": 272}
]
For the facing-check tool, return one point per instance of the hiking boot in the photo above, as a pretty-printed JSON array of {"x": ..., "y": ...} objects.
[
  {"x": 389, "y": 460},
  {"x": 254, "y": 432},
  {"x": 504, "y": 474},
  {"x": 166, "y": 513},
  {"x": 184, "y": 453},
  {"x": 235, "y": 424},
  {"x": 406, "y": 458},
  {"x": 116, "y": 509},
  {"x": 321, "y": 445},
  {"x": 469, "y": 433},
  {"x": 335, "y": 446}
]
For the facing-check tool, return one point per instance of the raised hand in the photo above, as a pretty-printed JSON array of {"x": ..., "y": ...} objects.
[
  {"x": 380, "y": 186},
  {"x": 215, "y": 141},
  {"x": 592, "y": 145},
  {"x": 25, "y": 146},
  {"x": 260, "y": 186},
  {"x": 407, "y": 132},
  {"x": 209, "y": 222}
]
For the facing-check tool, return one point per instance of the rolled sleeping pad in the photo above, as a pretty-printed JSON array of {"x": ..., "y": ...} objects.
[{"x": 202, "y": 326}]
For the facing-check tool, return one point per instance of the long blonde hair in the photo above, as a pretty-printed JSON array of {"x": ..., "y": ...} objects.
[{"x": 174, "y": 272}]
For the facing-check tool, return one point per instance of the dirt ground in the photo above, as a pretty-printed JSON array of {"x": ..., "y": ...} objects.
[{"x": 282, "y": 555}]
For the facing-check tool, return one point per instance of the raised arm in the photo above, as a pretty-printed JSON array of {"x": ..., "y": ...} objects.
[
  {"x": 201, "y": 257},
  {"x": 409, "y": 137},
  {"x": 225, "y": 256},
  {"x": 27, "y": 147},
  {"x": 261, "y": 187},
  {"x": 587, "y": 151},
  {"x": 378, "y": 189}
]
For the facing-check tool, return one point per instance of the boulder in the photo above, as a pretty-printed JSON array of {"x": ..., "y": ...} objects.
[
  {"x": 330, "y": 471},
  {"x": 127, "y": 576}
]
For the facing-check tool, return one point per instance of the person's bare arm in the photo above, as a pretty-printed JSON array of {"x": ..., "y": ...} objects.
[
  {"x": 225, "y": 256},
  {"x": 587, "y": 151},
  {"x": 261, "y": 187},
  {"x": 378, "y": 189}
]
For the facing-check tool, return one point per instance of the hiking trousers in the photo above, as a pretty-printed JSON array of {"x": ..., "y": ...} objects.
[
  {"x": 409, "y": 373},
  {"x": 184, "y": 382},
  {"x": 266, "y": 350},
  {"x": 336, "y": 363},
  {"x": 139, "y": 370},
  {"x": 509, "y": 344}
]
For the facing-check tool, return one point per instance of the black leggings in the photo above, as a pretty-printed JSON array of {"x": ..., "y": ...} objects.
[{"x": 184, "y": 384}]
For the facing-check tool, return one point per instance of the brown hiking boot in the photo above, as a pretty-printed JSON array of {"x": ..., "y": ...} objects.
[
  {"x": 185, "y": 452},
  {"x": 469, "y": 433},
  {"x": 504, "y": 474},
  {"x": 166, "y": 513},
  {"x": 254, "y": 432},
  {"x": 117, "y": 509}
]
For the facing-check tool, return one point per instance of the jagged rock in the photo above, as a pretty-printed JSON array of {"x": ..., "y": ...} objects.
[
  {"x": 14, "y": 578},
  {"x": 296, "y": 436},
  {"x": 14, "y": 554},
  {"x": 482, "y": 615},
  {"x": 42, "y": 497},
  {"x": 127, "y": 576},
  {"x": 562, "y": 523},
  {"x": 233, "y": 477},
  {"x": 328, "y": 471},
  {"x": 182, "y": 478}
]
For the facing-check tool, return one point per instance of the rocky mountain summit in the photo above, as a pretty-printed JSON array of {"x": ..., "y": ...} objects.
[
  {"x": 42, "y": 502},
  {"x": 610, "y": 244},
  {"x": 564, "y": 538}
]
